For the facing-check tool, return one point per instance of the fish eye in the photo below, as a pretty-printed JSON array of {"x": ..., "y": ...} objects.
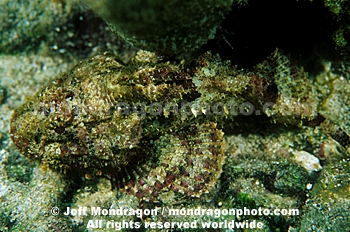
[{"x": 60, "y": 129}]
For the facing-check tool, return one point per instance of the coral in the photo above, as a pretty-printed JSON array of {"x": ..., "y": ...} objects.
[{"x": 166, "y": 27}]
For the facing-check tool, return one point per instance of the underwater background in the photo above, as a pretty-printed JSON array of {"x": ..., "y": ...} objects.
[{"x": 265, "y": 90}]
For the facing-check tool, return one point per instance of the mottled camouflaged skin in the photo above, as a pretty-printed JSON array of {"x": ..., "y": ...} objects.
[
  {"x": 75, "y": 124},
  {"x": 111, "y": 119}
]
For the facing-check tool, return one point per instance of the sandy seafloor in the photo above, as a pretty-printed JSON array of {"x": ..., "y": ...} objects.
[{"x": 259, "y": 171}]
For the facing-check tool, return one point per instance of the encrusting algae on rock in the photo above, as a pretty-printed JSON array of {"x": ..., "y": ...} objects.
[
  {"x": 152, "y": 127},
  {"x": 168, "y": 27}
]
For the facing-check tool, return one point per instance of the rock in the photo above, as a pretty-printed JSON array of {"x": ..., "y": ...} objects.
[
  {"x": 307, "y": 161},
  {"x": 167, "y": 27}
]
